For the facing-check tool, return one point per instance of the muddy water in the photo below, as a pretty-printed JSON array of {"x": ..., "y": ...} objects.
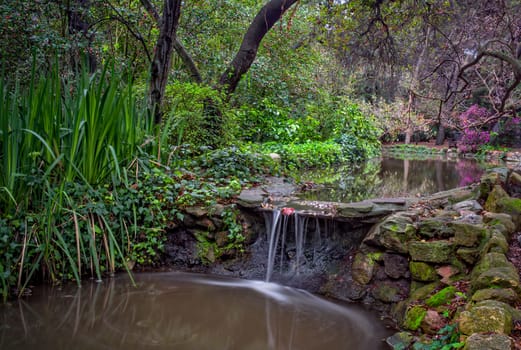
[{"x": 185, "y": 311}]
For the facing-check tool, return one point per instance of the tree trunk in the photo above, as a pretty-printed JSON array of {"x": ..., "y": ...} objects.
[
  {"x": 178, "y": 47},
  {"x": 440, "y": 134},
  {"x": 262, "y": 23},
  {"x": 160, "y": 66},
  {"x": 78, "y": 25}
]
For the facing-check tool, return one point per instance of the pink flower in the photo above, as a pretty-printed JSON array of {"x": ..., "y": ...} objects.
[{"x": 288, "y": 211}]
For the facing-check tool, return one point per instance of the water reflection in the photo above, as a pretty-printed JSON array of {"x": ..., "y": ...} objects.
[
  {"x": 184, "y": 311},
  {"x": 391, "y": 177}
]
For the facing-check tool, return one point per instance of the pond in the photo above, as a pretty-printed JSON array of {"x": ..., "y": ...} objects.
[
  {"x": 391, "y": 177},
  {"x": 185, "y": 311}
]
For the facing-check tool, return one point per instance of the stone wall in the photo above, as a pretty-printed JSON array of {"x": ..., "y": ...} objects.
[{"x": 442, "y": 266}]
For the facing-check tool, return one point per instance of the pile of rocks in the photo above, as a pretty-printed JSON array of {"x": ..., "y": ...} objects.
[{"x": 442, "y": 267}]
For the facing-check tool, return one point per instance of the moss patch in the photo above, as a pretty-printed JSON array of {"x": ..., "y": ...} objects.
[
  {"x": 423, "y": 272},
  {"x": 442, "y": 297},
  {"x": 414, "y": 317}
]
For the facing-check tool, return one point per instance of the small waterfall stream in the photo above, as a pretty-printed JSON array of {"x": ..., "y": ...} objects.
[{"x": 278, "y": 231}]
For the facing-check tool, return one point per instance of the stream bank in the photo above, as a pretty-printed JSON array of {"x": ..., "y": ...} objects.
[{"x": 435, "y": 265}]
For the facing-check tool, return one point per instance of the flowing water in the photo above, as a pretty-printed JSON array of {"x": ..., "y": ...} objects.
[
  {"x": 391, "y": 177},
  {"x": 184, "y": 311}
]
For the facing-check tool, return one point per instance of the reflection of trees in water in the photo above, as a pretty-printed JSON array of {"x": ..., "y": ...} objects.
[
  {"x": 166, "y": 315},
  {"x": 392, "y": 177}
]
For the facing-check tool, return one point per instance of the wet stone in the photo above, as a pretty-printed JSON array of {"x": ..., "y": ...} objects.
[
  {"x": 434, "y": 252},
  {"x": 396, "y": 266},
  {"x": 479, "y": 341}
]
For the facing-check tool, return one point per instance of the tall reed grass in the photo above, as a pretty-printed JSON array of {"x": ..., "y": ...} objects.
[{"x": 59, "y": 143}]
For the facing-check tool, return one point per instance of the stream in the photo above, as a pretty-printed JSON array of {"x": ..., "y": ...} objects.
[{"x": 184, "y": 311}]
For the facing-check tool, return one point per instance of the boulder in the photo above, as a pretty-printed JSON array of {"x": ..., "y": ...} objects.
[
  {"x": 468, "y": 235},
  {"x": 497, "y": 243},
  {"x": 363, "y": 268},
  {"x": 492, "y": 219},
  {"x": 433, "y": 252},
  {"x": 387, "y": 293},
  {"x": 488, "y": 341},
  {"x": 468, "y": 205},
  {"x": 436, "y": 227},
  {"x": 400, "y": 340},
  {"x": 468, "y": 255},
  {"x": 505, "y": 295},
  {"x": 396, "y": 266},
  {"x": 432, "y": 322},
  {"x": 423, "y": 272},
  {"x": 424, "y": 291},
  {"x": 486, "y": 318},
  {"x": 447, "y": 272},
  {"x": 497, "y": 277},
  {"x": 511, "y": 206},
  {"x": 393, "y": 234},
  {"x": 489, "y": 261},
  {"x": 487, "y": 183},
  {"x": 497, "y": 194},
  {"x": 442, "y": 297},
  {"x": 414, "y": 317}
]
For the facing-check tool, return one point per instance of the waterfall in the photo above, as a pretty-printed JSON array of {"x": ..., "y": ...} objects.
[
  {"x": 273, "y": 232},
  {"x": 300, "y": 237},
  {"x": 277, "y": 222}
]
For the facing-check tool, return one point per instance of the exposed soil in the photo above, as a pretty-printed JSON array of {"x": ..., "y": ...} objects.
[{"x": 514, "y": 255}]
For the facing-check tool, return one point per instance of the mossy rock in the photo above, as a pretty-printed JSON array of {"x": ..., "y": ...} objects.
[
  {"x": 442, "y": 297},
  {"x": 413, "y": 317},
  {"x": 387, "y": 293},
  {"x": 487, "y": 341},
  {"x": 493, "y": 199},
  {"x": 421, "y": 271},
  {"x": 487, "y": 183},
  {"x": 497, "y": 243},
  {"x": 436, "y": 227},
  {"x": 490, "y": 260},
  {"x": 424, "y": 291},
  {"x": 511, "y": 206},
  {"x": 497, "y": 277},
  {"x": 363, "y": 268},
  {"x": 393, "y": 234},
  {"x": 484, "y": 319},
  {"x": 400, "y": 340},
  {"x": 493, "y": 219},
  {"x": 469, "y": 255},
  {"x": 468, "y": 235},
  {"x": 505, "y": 295},
  {"x": 432, "y": 252}
]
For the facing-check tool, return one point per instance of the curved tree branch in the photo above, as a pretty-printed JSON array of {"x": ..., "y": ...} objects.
[
  {"x": 261, "y": 24},
  {"x": 178, "y": 47}
]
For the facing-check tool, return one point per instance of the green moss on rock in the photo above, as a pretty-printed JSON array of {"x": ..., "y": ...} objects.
[
  {"x": 506, "y": 295},
  {"x": 434, "y": 252},
  {"x": 413, "y": 317},
  {"x": 421, "y": 271},
  {"x": 468, "y": 235},
  {"x": 442, "y": 297},
  {"x": 363, "y": 268}
]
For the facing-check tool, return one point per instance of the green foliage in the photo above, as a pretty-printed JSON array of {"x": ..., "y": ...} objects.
[
  {"x": 9, "y": 253},
  {"x": 357, "y": 133},
  {"x": 63, "y": 148},
  {"x": 234, "y": 163},
  {"x": 234, "y": 227},
  {"x": 306, "y": 155},
  {"x": 193, "y": 112},
  {"x": 447, "y": 338}
]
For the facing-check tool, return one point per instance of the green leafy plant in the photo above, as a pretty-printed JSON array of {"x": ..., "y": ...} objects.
[{"x": 447, "y": 338}]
